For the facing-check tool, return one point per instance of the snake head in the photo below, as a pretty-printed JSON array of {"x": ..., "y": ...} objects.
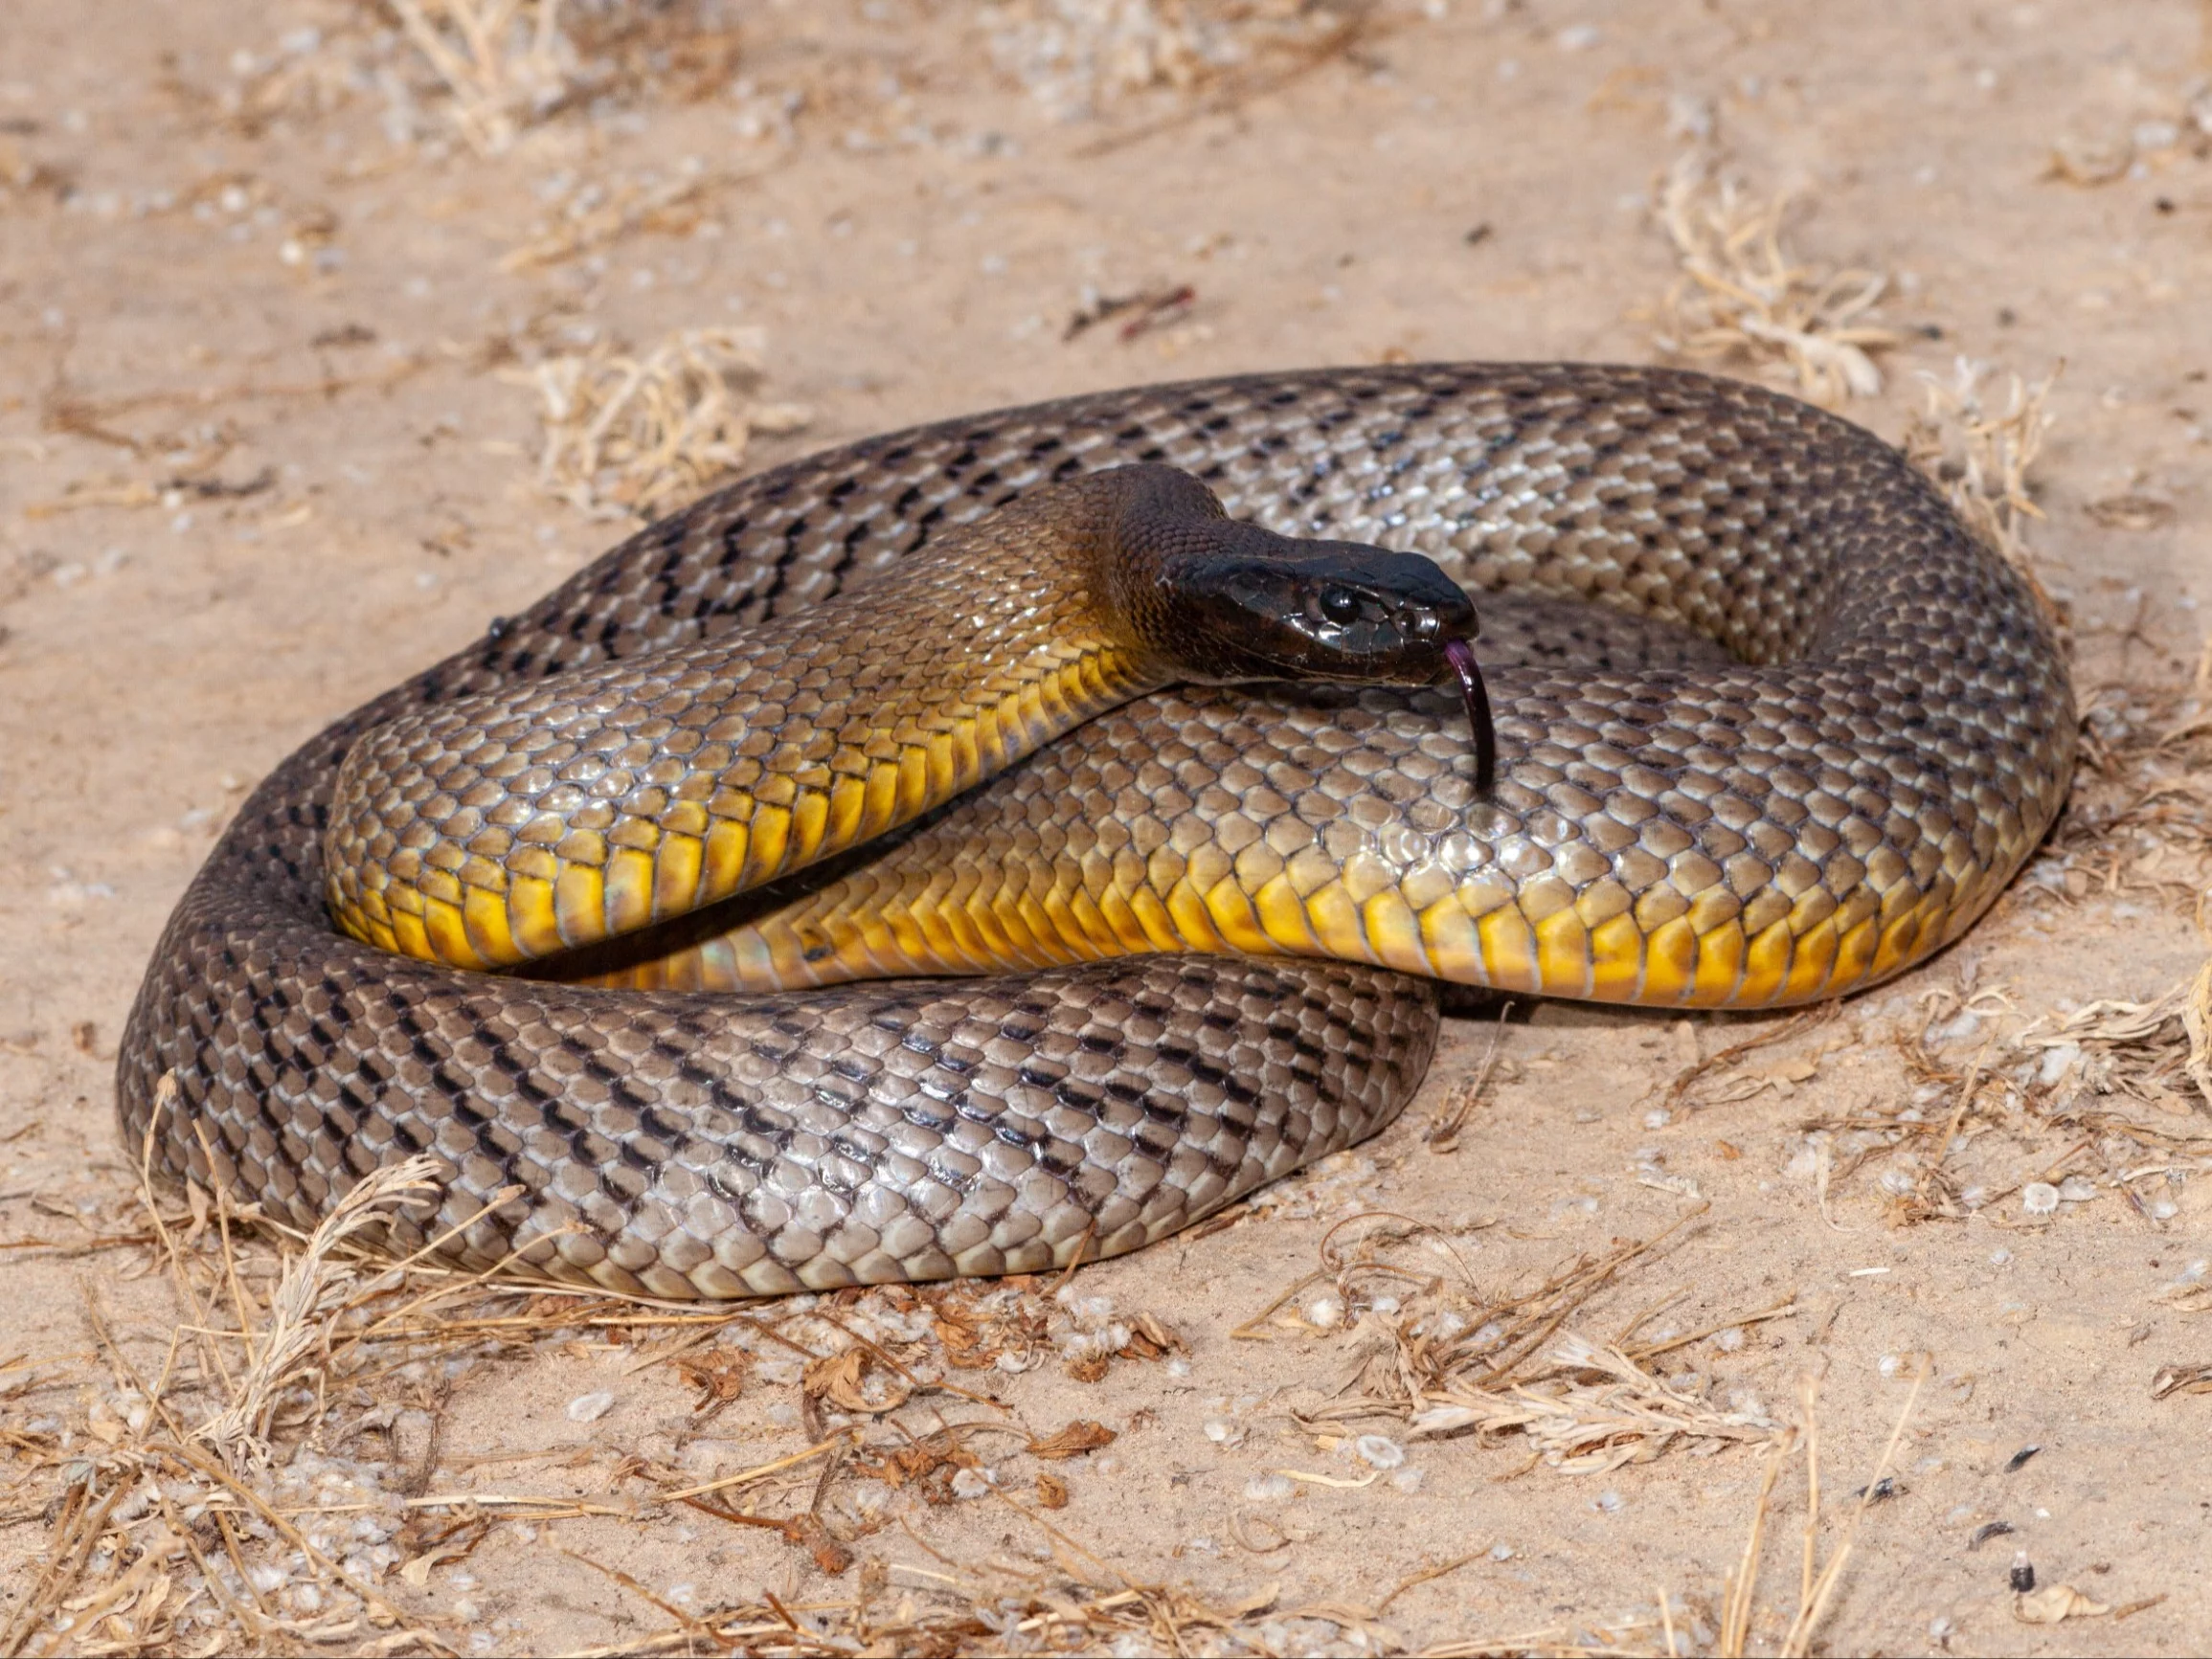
[
  {"x": 1224, "y": 601},
  {"x": 1339, "y": 611},
  {"x": 1268, "y": 608}
]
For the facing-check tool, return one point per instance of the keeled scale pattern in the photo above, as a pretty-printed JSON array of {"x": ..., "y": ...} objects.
[{"x": 1894, "y": 675}]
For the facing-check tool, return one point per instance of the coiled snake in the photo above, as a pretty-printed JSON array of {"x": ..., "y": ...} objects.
[{"x": 1771, "y": 725}]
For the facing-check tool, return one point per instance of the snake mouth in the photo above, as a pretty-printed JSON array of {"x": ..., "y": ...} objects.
[{"x": 1460, "y": 655}]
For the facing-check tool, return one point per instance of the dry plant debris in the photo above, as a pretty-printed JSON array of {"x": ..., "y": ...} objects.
[
  {"x": 1744, "y": 297},
  {"x": 1079, "y": 56},
  {"x": 1980, "y": 454},
  {"x": 482, "y": 71},
  {"x": 2148, "y": 1050},
  {"x": 259, "y": 1487},
  {"x": 600, "y": 210},
  {"x": 2028, "y": 1123},
  {"x": 503, "y": 64},
  {"x": 1436, "y": 1355},
  {"x": 2148, "y": 145},
  {"x": 629, "y": 437}
]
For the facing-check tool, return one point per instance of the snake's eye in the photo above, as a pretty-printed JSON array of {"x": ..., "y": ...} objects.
[{"x": 1339, "y": 604}]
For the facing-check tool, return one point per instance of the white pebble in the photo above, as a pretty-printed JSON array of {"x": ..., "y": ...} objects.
[
  {"x": 1223, "y": 1431},
  {"x": 2000, "y": 1257},
  {"x": 1609, "y": 1502},
  {"x": 1379, "y": 1451},
  {"x": 2039, "y": 1198},
  {"x": 591, "y": 1408},
  {"x": 1659, "y": 1117},
  {"x": 971, "y": 1483},
  {"x": 1891, "y": 1365},
  {"x": 2077, "y": 1189},
  {"x": 1410, "y": 1480},
  {"x": 1269, "y": 1489},
  {"x": 1501, "y": 1552},
  {"x": 1730, "y": 1340}
]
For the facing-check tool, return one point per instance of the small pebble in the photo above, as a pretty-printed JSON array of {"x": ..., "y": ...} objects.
[
  {"x": 1379, "y": 1451},
  {"x": 2022, "y": 1577},
  {"x": 1608, "y": 1501},
  {"x": 2077, "y": 1189},
  {"x": 591, "y": 1408}
]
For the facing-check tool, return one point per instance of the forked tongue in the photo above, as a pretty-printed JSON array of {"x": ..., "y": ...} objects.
[{"x": 1462, "y": 655}]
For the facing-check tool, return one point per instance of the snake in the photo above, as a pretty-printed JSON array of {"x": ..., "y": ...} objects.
[{"x": 813, "y": 891}]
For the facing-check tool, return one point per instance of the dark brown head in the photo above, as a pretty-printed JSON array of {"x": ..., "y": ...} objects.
[
  {"x": 1226, "y": 601},
  {"x": 1229, "y": 601}
]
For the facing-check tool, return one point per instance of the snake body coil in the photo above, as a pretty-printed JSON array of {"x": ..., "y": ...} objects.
[{"x": 1861, "y": 729}]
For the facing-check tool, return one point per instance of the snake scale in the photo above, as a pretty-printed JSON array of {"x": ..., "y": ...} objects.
[{"x": 1771, "y": 725}]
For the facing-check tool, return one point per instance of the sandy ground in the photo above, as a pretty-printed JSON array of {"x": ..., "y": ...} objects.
[{"x": 262, "y": 450}]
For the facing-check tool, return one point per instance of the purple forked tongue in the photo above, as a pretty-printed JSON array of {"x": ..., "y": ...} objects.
[{"x": 1462, "y": 655}]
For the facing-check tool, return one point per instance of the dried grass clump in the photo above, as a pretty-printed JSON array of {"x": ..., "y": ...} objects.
[
  {"x": 2152, "y": 1051},
  {"x": 249, "y": 1489},
  {"x": 1744, "y": 297},
  {"x": 1981, "y": 453},
  {"x": 1079, "y": 56},
  {"x": 483, "y": 71},
  {"x": 1436, "y": 1355},
  {"x": 503, "y": 65},
  {"x": 315, "y": 1283},
  {"x": 628, "y": 437}
]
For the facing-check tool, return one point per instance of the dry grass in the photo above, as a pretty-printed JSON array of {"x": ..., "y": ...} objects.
[
  {"x": 224, "y": 1500},
  {"x": 1745, "y": 298},
  {"x": 1433, "y": 1355},
  {"x": 629, "y": 437},
  {"x": 1981, "y": 453},
  {"x": 604, "y": 209},
  {"x": 503, "y": 64},
  {"x": 2150, "y": 1051},
  {"x": 1077, "y": 57},
  {"x": 484, "y": 72}
]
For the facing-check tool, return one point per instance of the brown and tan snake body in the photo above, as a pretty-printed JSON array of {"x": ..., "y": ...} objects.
[{"x": 1876, "y": 735}]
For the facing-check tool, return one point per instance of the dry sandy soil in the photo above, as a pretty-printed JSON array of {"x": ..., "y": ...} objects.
[{"x": 271, "y": 300}]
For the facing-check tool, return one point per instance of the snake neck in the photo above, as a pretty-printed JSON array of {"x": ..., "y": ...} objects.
[{"x": 501, "y": 828}]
